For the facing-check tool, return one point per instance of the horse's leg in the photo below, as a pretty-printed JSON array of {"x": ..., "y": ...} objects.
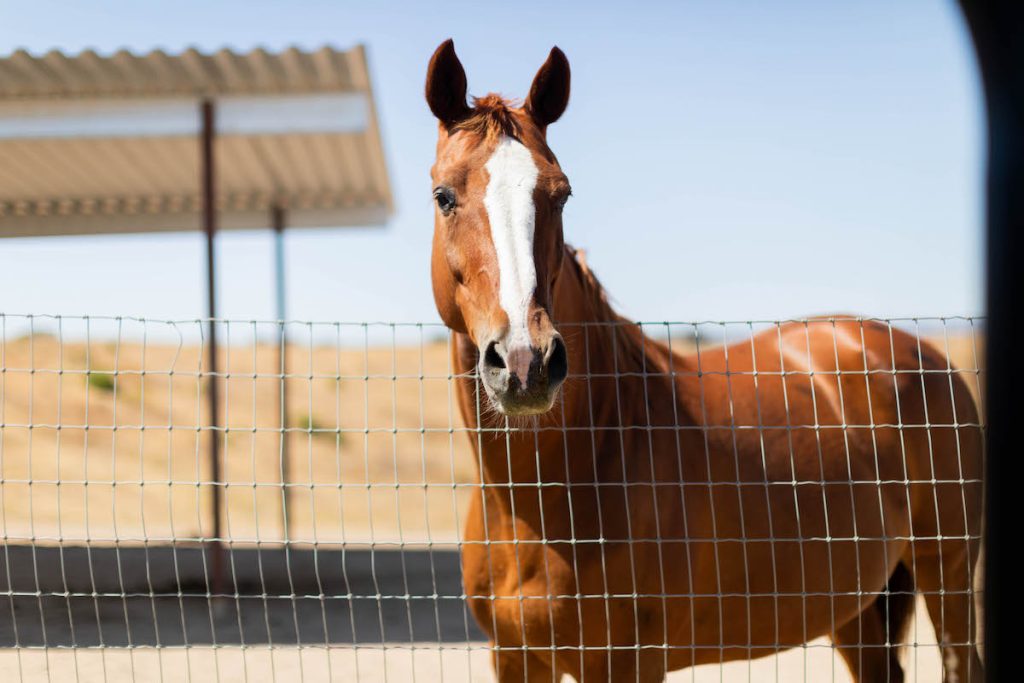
[
  {"x": 947, "y": 518},
  {"x": 641, "y": 666},
  {"x": 522, "y": 666},
  {"x": 862, "y": 644},
  {"x": 945, "y": 582}
]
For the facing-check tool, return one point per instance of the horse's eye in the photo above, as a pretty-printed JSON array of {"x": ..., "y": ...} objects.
[
  {"x": 560, "y": 203},
  {"x": 445, "y": 198}
]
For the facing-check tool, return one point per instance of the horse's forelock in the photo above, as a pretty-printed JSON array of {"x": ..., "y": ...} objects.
[{"x": 492, "y": 116}]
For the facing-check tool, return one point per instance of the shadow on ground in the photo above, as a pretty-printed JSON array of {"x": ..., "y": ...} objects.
[{"x": 103, "y": 596}]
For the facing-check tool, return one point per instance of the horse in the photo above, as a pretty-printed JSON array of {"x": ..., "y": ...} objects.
[{"x": 642, "y": 509}]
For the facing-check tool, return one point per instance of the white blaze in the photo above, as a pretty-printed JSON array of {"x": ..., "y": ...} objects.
[{"x": 510, "y": 210}]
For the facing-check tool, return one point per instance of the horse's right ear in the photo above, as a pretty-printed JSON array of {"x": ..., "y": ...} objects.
[
  {"x": 446, "y": 85},
  {"x": 549, "y": 94}
]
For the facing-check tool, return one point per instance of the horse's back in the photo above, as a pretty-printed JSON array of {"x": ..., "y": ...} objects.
[
  {"x": 840, "y": 400},
  {"x": 858, "y": 379}
]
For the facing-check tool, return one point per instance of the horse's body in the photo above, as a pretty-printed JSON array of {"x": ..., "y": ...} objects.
[
  {"x": 708, "y": 503},
  {"x": 673, "y": 510}
]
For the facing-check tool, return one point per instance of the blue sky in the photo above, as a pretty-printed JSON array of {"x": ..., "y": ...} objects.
[{"x": 728, "y": 160}]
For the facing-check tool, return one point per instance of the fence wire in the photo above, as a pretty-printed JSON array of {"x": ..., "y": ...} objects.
[{"x": 346, "y": 475}]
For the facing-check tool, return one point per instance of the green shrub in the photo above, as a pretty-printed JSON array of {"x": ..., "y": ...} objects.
[
  {"x": 103, "y": 381},
  {"x": 315, "y": 428}
]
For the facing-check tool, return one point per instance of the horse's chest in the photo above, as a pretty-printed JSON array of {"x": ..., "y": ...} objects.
[{"x": 517, "y": 590}]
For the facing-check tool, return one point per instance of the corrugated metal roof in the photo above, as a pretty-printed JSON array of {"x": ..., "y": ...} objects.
[
  {"x": 129, "y": 183},
  {"x": 123, "y": 73}
]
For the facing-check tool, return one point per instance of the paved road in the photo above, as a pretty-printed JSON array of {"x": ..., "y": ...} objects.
[{"x": 74, "y": 596}]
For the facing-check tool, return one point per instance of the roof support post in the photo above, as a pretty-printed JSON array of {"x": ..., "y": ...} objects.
[
  {"x": 277, "y": 219},
  {"x": 215, "y": 547}
]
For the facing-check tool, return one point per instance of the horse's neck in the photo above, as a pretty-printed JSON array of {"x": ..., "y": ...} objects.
[{"x": 600, "y": 344}]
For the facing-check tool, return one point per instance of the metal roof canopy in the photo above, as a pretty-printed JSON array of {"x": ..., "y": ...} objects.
[{"x": 92, "y": 144}]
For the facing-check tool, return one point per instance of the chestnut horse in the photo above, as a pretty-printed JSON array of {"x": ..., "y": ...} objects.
[{"x": 643, "y": 510}]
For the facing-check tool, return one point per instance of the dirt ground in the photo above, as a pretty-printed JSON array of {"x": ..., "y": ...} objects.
[{"x": 422, "y": 662}]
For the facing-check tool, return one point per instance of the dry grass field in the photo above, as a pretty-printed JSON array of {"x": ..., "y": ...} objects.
[{"x": 123, "y": 453}]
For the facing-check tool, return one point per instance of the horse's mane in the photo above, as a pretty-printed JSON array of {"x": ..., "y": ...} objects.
[
  {"x": 491, "y": 117},
  {"x": 629, "y": 339},
  {"x": 595, "y": 295}
]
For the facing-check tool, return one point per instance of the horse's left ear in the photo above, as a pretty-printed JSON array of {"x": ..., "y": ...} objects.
[{"x": 549, "y": 94}]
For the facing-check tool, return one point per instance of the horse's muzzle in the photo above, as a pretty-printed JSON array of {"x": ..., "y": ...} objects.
[{"x": 524, "y": 380}]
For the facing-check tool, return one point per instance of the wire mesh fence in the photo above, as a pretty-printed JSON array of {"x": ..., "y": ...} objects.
[{"x": 327, "y": 544}]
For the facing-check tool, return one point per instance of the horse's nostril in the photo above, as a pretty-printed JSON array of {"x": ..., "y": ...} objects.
[
  {"x": 493, "y": 359},
  {"x": 558, "y": 363}
]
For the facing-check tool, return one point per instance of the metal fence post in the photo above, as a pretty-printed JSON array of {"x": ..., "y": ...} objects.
[
  {"x": 278, "y": 223},
  {"x": 208, "y": 173}
]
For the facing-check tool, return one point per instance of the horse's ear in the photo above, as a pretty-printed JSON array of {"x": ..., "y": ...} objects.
[
  {"x": 549, "y": 94},
  {"x": 446, "y": 85}
]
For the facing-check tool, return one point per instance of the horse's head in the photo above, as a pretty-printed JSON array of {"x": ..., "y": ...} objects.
[{"x": 498, "y": 194}]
